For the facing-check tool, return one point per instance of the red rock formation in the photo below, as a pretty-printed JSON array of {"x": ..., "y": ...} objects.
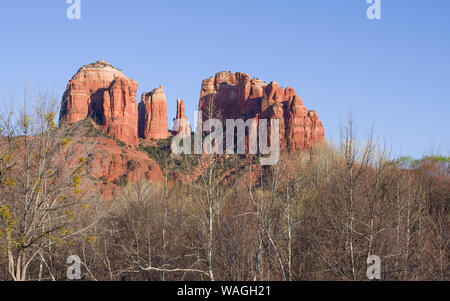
[
  {"x": 304, "y": 127},
  {"x": 237, "y": 95},
  {"x": 153, "y": 115},
  {"x": 104, "y": 93},
  {"x": 117, "y": 166},
  {"x": 180, "y": 109},
  {"x": 120, "y": 110},
  {"x": 181, "y": 124},
  {"x": 231, "y": 95}
]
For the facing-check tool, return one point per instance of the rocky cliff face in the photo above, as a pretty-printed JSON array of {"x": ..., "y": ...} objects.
[
  {"x": 117, "y": 166},
  {"x": 153, "y": 115},
  {"x": 237, "y": 95},
  {"x": 104, "y": 93}
]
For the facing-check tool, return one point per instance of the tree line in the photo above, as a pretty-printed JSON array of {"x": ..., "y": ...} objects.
[{"x": 316, "y": 215}]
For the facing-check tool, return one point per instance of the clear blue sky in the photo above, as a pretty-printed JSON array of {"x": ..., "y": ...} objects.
[{"x": 393, "y": 73}]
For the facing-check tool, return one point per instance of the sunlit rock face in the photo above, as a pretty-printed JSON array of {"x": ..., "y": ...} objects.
[
  {"x": 153, "y": 115},
  {"x": 105, "y": 94},
  {"x": 237, "y": 95},
  {"x": 181, "y": 124}
]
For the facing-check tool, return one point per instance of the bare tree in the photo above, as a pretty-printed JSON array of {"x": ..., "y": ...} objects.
[
  {"x": 42, "y": 193},
  {"x": 354, "y": 168}
]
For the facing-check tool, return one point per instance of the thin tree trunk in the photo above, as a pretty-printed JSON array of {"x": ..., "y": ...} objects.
[
  {"x": 289, "y": 224},
  {"x": 352, "y": 256}
]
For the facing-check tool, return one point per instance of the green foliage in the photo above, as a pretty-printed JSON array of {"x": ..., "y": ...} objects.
[
  {"x": 120, "y": 143},
  {"x": 76, "y": 184},
  {"x": 162, "y": 154},
  {"x": 439, "y": 159},
  {"x": 231, "y": 162},
  {"x": 103, "y": 180},
  {"x": 410, "y": 162},
  {"x": 92, "y": 131},
  {"x": 405, "y": 162},
  {"x": 50, "y": 118},
  {"x": 121, "y": 181}
]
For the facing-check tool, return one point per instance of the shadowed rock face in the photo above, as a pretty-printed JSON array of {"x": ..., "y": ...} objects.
[
  {"x": 237, "y": 95},
  {"x": 153, "y": 115},
  {"x": 104, "y": 93},
  {"x": 180, "y": 109}
]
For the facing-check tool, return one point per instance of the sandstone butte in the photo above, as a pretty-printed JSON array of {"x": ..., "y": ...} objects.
[
  {"x": 237, "y": 95},
  {"x": 153, "y": 115},
  {"x": 105, "y": 94}
]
